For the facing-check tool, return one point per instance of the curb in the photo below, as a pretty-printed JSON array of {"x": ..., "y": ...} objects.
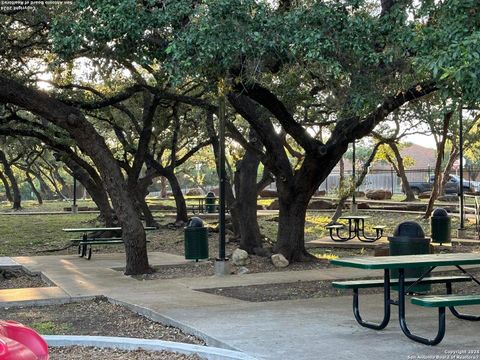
[
  {"x": 211, "y": 353},
  {"x": 165, "y": 320}
]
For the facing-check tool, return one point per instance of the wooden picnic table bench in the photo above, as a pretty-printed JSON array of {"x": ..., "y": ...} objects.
[
  {"x": 401, "y": 263},
  {"x": 86, "y": 242}
]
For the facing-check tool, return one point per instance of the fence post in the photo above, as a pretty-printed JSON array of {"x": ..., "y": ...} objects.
[{"x": 326, "y": 184}]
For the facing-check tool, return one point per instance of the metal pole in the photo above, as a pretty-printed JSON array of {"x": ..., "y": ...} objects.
[
  {"x": 74, "y": 206},
  {"x": 74, "y": 191},
  {"x": 221, "y": 153},
  {"x": 222, "y": 265},
  {"x": 460, "y": 120},
  {"x": 353, "y": 173}
]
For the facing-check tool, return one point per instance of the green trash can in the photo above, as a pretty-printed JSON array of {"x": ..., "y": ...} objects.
[
  {"x": 210, "y": 200},
  {"x": 196, "y": 240},
  {"x": 409, "y": 239},
  {"x": 441, "y": 226}
]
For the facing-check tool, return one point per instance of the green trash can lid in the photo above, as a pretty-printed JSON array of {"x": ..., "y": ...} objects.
[
  {"x": 210, "y": 194},
  {"x": 440, "y": 212},
  {"x": 195, "y": 222},
  {"x": 409, "y": 229}
]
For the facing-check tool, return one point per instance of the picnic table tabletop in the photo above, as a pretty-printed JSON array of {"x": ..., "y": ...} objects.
[
  {"x": 408, "y": 261},
  {"x": 102, "y": 229}
]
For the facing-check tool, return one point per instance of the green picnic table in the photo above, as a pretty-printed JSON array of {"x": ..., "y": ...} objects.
[
  {"x": 86, "y": 242},
  {"x": 400, "y": 263}
]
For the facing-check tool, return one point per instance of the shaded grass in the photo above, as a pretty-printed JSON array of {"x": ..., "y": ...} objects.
[{"x": 27, "y": 234}]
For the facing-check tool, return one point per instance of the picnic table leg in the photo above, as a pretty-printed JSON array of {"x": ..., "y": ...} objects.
[
  {"x": 403, "y": 322},
  {"x": 82, "y": 249},
  {"x": 455, "y": 311},
  {"x": 386, "y": 306},
  {"x": 365, "y": 237}
]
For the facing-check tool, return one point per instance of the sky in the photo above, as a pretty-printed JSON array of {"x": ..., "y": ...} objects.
[{"x": 422, "y": 140}]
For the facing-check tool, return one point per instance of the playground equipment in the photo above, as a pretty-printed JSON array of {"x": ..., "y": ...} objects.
[{"x": 18, "y": 342}]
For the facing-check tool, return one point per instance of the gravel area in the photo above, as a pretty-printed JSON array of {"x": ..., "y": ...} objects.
[{"x": 14, "y": 279}]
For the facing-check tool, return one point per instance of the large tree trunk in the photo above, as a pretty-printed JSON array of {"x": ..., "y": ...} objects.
[
  {"x": 6, "y": 185},
  {"x": 92, "y": 144},
  {"x": 182, "y": 216},
  {"x": 291, "y": 225},
  {"x": 409, "y": 195},
  {"x": 34, "y": 189},
  {"x": 245, "y": 204},
  {"x": 17, "y": 198},
  {"x": 163, "y": 187}
]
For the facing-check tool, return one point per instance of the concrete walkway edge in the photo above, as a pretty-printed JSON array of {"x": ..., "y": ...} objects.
[
  {"x": 211, "y": 353},
  {"x": 165, "y": 320}
]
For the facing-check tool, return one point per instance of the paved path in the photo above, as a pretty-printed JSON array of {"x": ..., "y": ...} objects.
[{"x": 299, "y": 329}]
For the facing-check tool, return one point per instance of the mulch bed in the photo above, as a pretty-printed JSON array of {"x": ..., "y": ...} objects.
[
  {"x": 93, "y": 353},
  {"x": 98, "y": 317},
  {"x": 318, "y": 289},
  {"x": 206, "y": 268},
  {"x": 14, "y": 279}
]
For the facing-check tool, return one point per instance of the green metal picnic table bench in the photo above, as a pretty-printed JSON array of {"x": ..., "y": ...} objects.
[
  {"x": 86, "y": 242},
  {"x": 400, "y": 263}
]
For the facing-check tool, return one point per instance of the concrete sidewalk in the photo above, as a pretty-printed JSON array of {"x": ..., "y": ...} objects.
[{"x": 321, "y": 328}]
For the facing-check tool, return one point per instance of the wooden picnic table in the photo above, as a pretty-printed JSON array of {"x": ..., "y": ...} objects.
[
  {"x": 86, "y": 242},
  {"x": 400, "y": 263}
]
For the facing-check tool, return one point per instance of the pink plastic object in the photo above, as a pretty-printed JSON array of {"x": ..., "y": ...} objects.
[{"x": 18, "y": 342}]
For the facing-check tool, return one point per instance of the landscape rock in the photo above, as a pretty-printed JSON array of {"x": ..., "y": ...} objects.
[
  {"x": 279, "y": 261},
  {"x": 240, "y": 257},
  {"x": 195, "y": 192},
  {"x": 359, "y": 194},
  {"x": 378, "y": 194},
  {"x": 243, "y": 270},
  {"x": 424, "y": 195},
  {"x": 321, "y": 205}
]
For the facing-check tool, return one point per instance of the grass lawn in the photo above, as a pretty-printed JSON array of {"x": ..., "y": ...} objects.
[
  {"x": 31, "y": 234},
  {"x": 27, "y": 234}
]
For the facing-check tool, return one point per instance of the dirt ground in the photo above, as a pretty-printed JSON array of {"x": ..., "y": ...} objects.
[{"x": 13, "y": 279}]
